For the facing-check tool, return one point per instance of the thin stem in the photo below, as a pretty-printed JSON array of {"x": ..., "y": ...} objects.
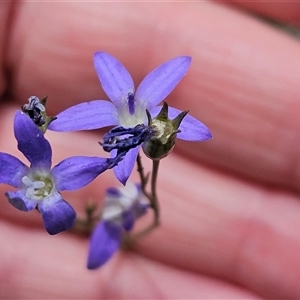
[
  {"x": 129, "y": 239},
  {"x": 154, "y": 200},
  {"x": 84, "y": 226},
  {"x": 144, "y": 178}
]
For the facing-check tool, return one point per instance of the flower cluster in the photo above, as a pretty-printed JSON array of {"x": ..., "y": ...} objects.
[{"x": 138, "y": 120}]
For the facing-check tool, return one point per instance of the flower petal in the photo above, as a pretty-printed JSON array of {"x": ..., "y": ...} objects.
[
  {"x": 77, "y": 171},
  {"x": 105, "y": 241},
  {"x": 191, "y": 129},
  {"x": 11, "y": 170},
  {"x": 128, "y": 219},
  {"x": 114, "y": 77},
  {"x": 31, "y": 141},
  {"x": 159, "y": 83},
  {"x": 20, "y": 201},
  {"x": 141, "y": 208},
  {"x": 86, "y": 116},
  {"x": 58, "y": 215},
  {"x": 125, "y": 167}
]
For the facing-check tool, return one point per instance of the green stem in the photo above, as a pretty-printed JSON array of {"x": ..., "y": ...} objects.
[
  {"x": 84, "y": 226},
  {"x": 143, "y": 178},
  {"x": 129, "y": 239},
  {"x": 154, "y": 200}
]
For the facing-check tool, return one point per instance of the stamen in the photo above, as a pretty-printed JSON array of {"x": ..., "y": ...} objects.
[{"x": 37, "y": 188}]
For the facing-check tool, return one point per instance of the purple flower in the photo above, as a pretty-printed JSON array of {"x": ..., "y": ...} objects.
[
  {"x": 38, "y": 185},
  {"x": 122, "y": 207},
  {"x": 128, "y": 107}
]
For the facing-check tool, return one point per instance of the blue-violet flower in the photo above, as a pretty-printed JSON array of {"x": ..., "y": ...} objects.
[
  {"x": 128, "y": 107},
  {"x": 121, "y": 208},
  {"x": 39, "y": 185}
]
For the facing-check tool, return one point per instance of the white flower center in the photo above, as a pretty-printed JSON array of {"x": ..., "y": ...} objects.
[
  {"x": 38, "y": 184},
  {"x": 116, "y": 205},
  {"x": 127, "y": 119}
]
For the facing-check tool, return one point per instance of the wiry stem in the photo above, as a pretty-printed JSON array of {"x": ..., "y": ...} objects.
[
  {"x": 128, "y": 240},
  {"x": 154, "y": 200},
  {"x": 84, "y": 226},
  {"x": 144, "y": 178}
]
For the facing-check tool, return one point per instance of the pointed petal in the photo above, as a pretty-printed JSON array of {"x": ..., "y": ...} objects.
[
  {"x": 141, "y": 209},
  {"x": 159, "y": 83},
  {"x": 20, "y": 201},
  {"x": 77, "y": 171},
  {"x": 105, "y": 241},
  {"x": 31, "y": 141},
  {"x": 191, "y": 129},
  {"x": 114, "y": 77},
  {"x": 113, "y": 192},
  {"x": 124, "y": 168},
  {"x": 11, "y": 170},
  {"x": 128, "y": 219},
  {"x": 86, "y": 116},
  {"x": 58, "y": 215}
]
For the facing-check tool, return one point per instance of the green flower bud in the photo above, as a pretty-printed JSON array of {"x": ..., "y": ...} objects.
[{"x": 164, "y": 135}]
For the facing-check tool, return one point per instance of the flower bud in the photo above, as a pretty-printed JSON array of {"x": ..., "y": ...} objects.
[
  {"x": 36, "y": 111},
  {"x": 165, "y": 130}
]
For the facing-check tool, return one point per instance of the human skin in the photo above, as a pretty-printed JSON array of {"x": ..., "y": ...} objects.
[{"x": 230, "y": 210}]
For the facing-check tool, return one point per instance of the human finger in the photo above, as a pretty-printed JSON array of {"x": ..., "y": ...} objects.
[
  {"x": 244, "y": 90},
  {"x": 5, "y": 16},
  {"x": 287, "y": 12},
  {"x": 34, "y": 265},
  {"x": 212, "y": 222}
]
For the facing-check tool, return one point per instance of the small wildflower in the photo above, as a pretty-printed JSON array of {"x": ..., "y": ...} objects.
[
  {"x": 128, "y": 107},
  {"x": 121, "y": 208},
  {"x": 39, "y": 185}
]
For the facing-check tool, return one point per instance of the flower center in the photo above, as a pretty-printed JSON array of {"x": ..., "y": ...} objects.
[
  {"x": 120, "y": 201},
  {"x": 38, "y": 184},
  {"x": 132, "y": 112}
]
